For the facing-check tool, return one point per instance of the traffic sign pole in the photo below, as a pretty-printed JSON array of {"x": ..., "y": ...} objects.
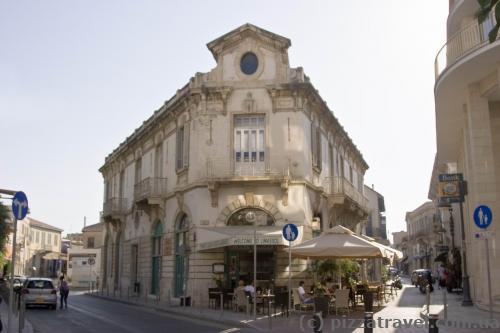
[
  {"x": 490, "y": 301},
  {"x": 11, "y": 287},
  {"x": 290, "y": 294}
]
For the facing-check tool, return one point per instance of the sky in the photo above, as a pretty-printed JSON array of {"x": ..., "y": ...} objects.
[{"x": 77, "y": 77}]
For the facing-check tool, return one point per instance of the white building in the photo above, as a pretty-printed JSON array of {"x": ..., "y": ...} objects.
[
  {"x": 251, "y": 142},
  {"x": 467, "y": 98}
]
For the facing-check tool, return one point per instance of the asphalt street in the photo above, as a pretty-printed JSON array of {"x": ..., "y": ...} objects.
[{"x": 89, "y": 314}]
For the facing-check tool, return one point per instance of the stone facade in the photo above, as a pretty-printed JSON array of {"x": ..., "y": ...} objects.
[
  {"x": 251, "y": 142},
  {"x": 467, "y": 97}
]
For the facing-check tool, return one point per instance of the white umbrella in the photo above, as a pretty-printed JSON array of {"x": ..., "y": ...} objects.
[{"x": 339, "y": 242}]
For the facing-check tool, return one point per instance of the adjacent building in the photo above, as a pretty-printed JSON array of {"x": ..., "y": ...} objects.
[
  {"x": 84, "y": 257},
  {"x": 376, "y": 223},
  {"x": 423, "y": 225},
  {"x": 467, "y": 101},
  {"x": 248, "y": 144},
  {"x": 400, "y": 242},
  {"x": 38, "y": 251}
]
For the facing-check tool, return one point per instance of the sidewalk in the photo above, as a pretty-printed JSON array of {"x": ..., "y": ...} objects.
[
  {"x": 4, "y": 310},
  {"x": 458, "y": 315}
]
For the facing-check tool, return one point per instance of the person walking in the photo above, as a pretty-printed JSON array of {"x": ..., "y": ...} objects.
[{"x": 63, "y": 291}]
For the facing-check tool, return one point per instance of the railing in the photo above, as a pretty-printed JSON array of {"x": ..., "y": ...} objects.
[
  {"x": 340, "y": 186},
  {"x": 114, "y": 206},
  {"x": 462, "y": 43},
  {"x": 151, "y": 187},
  {"x": 225, "y": 168}
]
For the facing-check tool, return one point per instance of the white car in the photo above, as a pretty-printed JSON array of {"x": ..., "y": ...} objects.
[{"x": 40, "y": 291}]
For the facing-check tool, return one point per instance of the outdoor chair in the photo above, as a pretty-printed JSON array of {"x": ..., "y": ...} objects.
[
  {"x": 281, "y": 300},
  {"x": 298, "y": 301},
  {"x": 227, "y": 298},
  {"x": 341, "y": 300},
  {"x": 213, "y": 299}
]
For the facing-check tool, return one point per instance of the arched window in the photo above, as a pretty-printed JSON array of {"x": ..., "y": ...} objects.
[
  {"x": 181, "y": 249},
  {"x": 156, "y": 258},
  {"x": 247, "y": 217}
]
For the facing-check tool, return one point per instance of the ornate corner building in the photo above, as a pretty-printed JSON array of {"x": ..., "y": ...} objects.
[{"x": 248, "y": 146}]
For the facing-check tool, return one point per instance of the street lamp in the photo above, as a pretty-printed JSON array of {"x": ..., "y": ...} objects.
[{"x": 250, "y": 217}]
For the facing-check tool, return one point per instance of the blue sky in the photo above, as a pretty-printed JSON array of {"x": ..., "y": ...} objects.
[{"x": 77, "y": 77}]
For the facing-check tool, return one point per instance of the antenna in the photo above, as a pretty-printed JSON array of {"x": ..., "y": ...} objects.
[{"x": 84, "y": 221}]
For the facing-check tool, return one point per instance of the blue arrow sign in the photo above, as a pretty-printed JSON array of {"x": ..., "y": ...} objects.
[
  {"x": 20, "y": 205},
  {"x": 290, "y": 232},
  {"x": 483, "y": 216}
]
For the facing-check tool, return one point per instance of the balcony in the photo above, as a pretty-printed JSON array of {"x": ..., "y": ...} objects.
[
  {"x": 228, "y": 170},
  {"x": 150, "y": 191},
  {"x": 349, "y": 206},
  {"x": 462, "y": 43},
  {"x": 339, "y": 188},
  {"x": 114, "y": 207}
]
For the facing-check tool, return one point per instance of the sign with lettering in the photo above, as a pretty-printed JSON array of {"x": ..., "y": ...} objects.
[{"x": 450, "y": 188}]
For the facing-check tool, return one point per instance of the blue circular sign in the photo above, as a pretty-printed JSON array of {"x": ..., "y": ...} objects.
[
  {"x": 20, "y": 205},
  {"x": 290, "y": 232},
  {"x": 483, "y": 216}
]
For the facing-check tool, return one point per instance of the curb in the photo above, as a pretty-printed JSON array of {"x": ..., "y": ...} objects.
[{"x": 206, "y": 317}]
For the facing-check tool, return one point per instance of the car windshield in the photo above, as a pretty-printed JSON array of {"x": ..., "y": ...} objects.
[{"x": 40, "y": 284}]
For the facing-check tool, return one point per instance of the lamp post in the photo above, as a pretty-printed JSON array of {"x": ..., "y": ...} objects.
[{"x": 250, "y": 217}]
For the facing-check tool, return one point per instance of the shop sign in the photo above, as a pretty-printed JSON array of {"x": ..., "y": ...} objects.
[{"x": 450, "y": 188}]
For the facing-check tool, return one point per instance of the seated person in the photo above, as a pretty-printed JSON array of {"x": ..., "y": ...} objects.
[
  {"x": 304, "y": 298},
  {"x": 241, "y": 286},
  {"x": 250, "y": 291}
]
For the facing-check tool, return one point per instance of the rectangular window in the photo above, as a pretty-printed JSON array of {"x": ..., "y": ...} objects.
[
  {"x": 37, "y": 237},
  {"x": 159, "y": 160},
  {"x": 43, "y": 238},
  {"x": 249, "y": 142},
  {"x": 316, "y": 149},
  {"x": 237, "y": 146},
  {"x": 90, "y": 243},
  {"x": 138, "y": 170},
  {"x": 182, "y": 147}
]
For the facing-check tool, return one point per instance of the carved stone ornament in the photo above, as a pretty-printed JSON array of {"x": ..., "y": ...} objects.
[
  {"x": 180, "y": 200},
  {"x": 249, "y": 103},
  {"x": 213, "y": 187},
  {"x": 284, "y": 187}
]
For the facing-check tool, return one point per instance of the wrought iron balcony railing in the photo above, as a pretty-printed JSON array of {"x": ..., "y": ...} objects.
[
  {"x": 114, "y": 206},
  {"x": 339, "y": 186},
  {"x": 150, "y": 188}
]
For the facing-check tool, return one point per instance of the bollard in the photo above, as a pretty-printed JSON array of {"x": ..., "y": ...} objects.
[
  {"x": 270, "y": 324},
  {"x": 169, "y": 300},
  {"x": 247, "y": 306},
  {"x": 120, "y": 292},
  {"x": 368, "y": 327},
  {"x": 146, "y": 295},
  {"x": 221, "y": 304},
  {"x": 445, "y": 305},
  {"x": 317, "y": 323},
  {"x": 433, "y": 326},
  {"x": 22, "y": 309},
  {"x": 128, "y": 293},
  {"x": 428, "y": 297},
  {"x": 107, "y": 290}
]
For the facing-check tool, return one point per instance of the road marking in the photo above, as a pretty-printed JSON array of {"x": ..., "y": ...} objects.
[
  {"x": 104, "y": 319},
  {"x": 229, "y": 330}
]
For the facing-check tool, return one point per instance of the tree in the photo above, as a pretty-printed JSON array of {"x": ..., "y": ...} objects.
[
  {"x": 4, "y": 229},
  {"x": 488, "y": 6}
]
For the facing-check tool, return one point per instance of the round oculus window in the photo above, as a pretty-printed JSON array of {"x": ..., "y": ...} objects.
[{"x": 249, "y": 63}]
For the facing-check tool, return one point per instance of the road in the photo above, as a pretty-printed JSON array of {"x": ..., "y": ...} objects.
[{"x": 88, "y": 314}]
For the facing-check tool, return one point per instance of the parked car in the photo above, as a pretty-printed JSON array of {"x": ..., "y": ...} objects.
[
  {"x": 418, "y": 274},
  {"x": 40, "y": 291}
]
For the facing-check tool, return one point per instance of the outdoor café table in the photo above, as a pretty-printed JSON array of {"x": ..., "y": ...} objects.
[{"x": 266, "y": 299}]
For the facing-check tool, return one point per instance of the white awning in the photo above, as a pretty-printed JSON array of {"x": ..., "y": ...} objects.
[{"x": 217, "y": 237}]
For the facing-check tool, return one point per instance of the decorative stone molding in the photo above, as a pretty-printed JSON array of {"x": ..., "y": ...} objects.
[
  {"x": 249, "y": 104},
  {"x": 249, "y": 201},
  {"x": 213, "y": 188},
  {"x": 180, "y": 199},
  {"x": 284, "y": 187}
]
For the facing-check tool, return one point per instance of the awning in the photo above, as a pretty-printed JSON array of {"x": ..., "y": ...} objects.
[
  {"x": 217, "y": 237},
  {"x": 442, "y": 257},
  {"x": 51, "y": 256}
]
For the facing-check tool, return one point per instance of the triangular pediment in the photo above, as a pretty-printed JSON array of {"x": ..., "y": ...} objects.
[{"x": 217, "y": 46}]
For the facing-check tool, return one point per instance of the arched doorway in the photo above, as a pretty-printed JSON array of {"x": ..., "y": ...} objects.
[
  {"x": 240, "y": 259},
  {"x": 156, "y": 258},
  {"x": 181, "y": 248}
]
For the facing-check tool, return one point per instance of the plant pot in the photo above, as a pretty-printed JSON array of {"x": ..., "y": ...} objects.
[{"x": 321, "y": 304}]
